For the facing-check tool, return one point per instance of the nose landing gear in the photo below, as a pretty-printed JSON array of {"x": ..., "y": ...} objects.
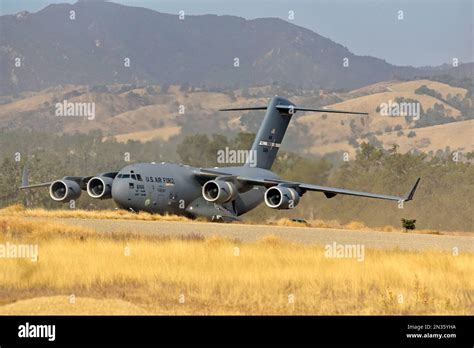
[{"x": 217, "y": 218}]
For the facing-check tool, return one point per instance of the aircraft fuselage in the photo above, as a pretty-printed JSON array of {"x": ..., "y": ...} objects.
[{"x": 169, "y": 188}]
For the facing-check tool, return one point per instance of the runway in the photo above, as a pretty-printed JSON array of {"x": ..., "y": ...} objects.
[{"x": 303, "y": 235}]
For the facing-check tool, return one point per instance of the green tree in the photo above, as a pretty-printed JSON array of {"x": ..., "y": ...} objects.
[{"x": 408, "y": 224}]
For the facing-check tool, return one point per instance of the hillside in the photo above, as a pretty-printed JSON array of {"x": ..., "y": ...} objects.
[
  {"x": 456, "y": 136},
  {"x": 453, "y": 131},
  {"x": 129, "y": 112},
  {"x": 408, "y": 87}
]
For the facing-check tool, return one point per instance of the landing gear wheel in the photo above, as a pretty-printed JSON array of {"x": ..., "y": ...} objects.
[{"x": 217, "y": 218}]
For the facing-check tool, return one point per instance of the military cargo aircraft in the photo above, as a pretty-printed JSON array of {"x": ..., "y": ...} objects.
[{"x": 218, "y": 194}]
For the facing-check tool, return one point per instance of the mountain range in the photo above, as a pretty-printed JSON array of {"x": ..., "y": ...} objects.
[{"x": 108, "y": 43}]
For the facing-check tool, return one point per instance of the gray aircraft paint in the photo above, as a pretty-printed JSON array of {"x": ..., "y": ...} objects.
[
  {"x": 169, "y": 188},
  {"x": 271, "y": 132},
  {"x": 158, "y": 197}
]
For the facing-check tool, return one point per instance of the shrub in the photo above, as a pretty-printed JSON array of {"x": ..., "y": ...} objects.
[{"x": 408, "y": 224}]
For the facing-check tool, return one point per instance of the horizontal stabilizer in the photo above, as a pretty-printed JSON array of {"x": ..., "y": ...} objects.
[
  {"x": 248, "y": 108},
  {"x": 291, "y": 109}
]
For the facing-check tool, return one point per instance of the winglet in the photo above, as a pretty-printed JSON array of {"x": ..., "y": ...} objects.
[
  {"x": 409, "y": 197},
  {"x": 25, "y": 183},
  {"x": 24, "y": 177}
]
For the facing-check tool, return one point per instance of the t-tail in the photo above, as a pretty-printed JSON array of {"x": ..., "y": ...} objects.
[{"x": 270, "y": 135}]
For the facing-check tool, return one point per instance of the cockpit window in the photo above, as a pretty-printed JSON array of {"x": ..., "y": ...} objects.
[{"x": 130, "y": 176}]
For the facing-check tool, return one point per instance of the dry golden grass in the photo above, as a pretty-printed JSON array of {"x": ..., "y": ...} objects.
[
  {"x": 442, "y": 88},
  {"x": 456, "y": 135},
  {"x": 394, "y": 229},
  {"x": 288, "y": 222},
  {"x": 163, "y": 133},
  {"x": 17, "y": 228},
  {"x": 325, "y": 223},
  {"x": 389, "y": 229},
  {"x": 355, "y": 225},
  {"x": 18, "y": 210},
  {"x": 409, "y": 86},
  {"x": 218, "y": 276},
  {"x": 69, "y": 305},
  {"x": 368, "y": 103}
]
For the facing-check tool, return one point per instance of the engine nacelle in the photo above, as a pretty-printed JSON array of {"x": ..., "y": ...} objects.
[
  {"x": 219, "y": 191},
  {"x": 281, "y": 197},
  {"x": 100, "y": 187},
  {"x": 64, "y": 190}
]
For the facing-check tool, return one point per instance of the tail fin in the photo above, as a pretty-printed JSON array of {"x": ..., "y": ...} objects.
[{"x": 273, "y": 128}]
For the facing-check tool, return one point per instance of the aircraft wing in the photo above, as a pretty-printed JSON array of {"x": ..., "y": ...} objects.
[
  {"x": 81, "y": 180},
  {"x": 329, "y": 192},
  {"x": 211, "y": 173},
  {"x": 43, "y": 184}
]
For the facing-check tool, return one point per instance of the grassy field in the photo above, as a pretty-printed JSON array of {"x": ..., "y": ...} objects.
[
  {"x": 19, "y": 211},
  {"x": 130, "y": 274}
]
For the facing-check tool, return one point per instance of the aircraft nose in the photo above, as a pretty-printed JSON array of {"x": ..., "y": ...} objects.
[{"x": 120, "y": 192}]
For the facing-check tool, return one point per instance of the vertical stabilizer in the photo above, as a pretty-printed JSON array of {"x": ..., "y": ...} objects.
[
  {"x": 271, "y": 132},
  {"x": 273, "y": 128}
]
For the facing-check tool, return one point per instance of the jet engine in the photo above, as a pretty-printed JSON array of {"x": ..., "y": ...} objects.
[
  {"x": 100, "y": 187},
  {"x": 64, "y": 190},
  {"x": 219, "y": 191},
  {"x": 281, "y": 197}
]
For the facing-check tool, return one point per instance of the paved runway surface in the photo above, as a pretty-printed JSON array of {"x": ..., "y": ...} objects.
[{"x": 305, "y": 235}]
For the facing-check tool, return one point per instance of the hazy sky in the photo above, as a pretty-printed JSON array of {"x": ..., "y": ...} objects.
[{"x": 432, "y": 32}]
